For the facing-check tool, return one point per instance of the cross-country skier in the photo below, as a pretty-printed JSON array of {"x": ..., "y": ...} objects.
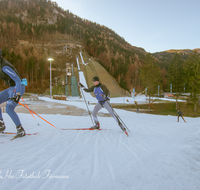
[
  {"x": 180, "y": 114},
  {"x": 102, "y": 95},
  {"x": 11, "y": 95}
]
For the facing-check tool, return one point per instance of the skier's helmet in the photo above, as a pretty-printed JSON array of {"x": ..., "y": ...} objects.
[{"x": 95, "y": 79}]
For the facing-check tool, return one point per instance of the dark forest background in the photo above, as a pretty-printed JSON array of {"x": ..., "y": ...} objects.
[{"x": 33, "y": 30}]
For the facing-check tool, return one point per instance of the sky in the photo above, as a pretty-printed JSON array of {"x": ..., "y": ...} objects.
[{"x": 155, "y": 25}]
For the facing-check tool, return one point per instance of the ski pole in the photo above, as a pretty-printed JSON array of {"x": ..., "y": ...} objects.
[
  {"x": 121, "y": 120},
  {"x": 39, "y": 116},
  {"x": 30, "y": 111},
  {"x": 119, "y": 117},
  {"x": 87, "y": 107}
]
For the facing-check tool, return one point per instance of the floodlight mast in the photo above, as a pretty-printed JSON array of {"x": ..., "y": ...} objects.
[{"x": 50, "y": 59}]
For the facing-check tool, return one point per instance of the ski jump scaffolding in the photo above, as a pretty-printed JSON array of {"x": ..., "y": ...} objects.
[{"x": 82, "y": 59}]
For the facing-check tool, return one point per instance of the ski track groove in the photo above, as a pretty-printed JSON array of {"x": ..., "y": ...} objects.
[
  {"x": 117, "y": 166},
  {"x": 59, "y": 155},
  {"x": 86, "y": 181},
  {"x": 140, "y": 142},
  {"x": 43, "y": 147},
  {"x": 121, "y": 136},
  {"x": 21, "y": 159},
  {"x": 131, "y": 152},
  {"x": 110, "y": 169},
  {"x": 45, "y": 162},
  {"x": 20, "y": 182},
  {"x": 95, "y": 161}
]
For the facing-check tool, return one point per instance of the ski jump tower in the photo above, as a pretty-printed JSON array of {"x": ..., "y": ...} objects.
[{"x": 71, "y": 85}]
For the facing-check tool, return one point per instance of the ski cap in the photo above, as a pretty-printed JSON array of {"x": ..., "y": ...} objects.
[{"x": 95, "y": 79}]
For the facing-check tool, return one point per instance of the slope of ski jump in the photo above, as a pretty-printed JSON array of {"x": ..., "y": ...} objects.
[
  {"x": 159, "y": 154},
  {"x": 87, "y": 96},
  {"x": 93, "y": 68},
  {"x": 84, "y": 95}
]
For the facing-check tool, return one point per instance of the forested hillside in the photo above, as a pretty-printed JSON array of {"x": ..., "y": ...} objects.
[{"x": 33, "y": 30}]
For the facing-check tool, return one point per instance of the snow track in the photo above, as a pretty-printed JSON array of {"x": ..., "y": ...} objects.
[{"x": 161, "y": 155}]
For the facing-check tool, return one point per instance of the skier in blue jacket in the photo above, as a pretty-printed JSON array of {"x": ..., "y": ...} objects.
[
  {"x": 11, "y": 95},
  {"x": 102, "y": 95}
]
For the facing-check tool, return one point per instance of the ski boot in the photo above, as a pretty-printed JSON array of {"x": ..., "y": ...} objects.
[
  {"x": 96, "y": 126},
  {"x": 20, "y": 132},
  {"x": 2, "y": 126},
  {"x": 122, "y": 127}
]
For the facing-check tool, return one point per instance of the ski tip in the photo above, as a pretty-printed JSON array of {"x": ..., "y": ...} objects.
[
  {"x": 83, "y": 129},
  {"x": 126, "y": 134}
]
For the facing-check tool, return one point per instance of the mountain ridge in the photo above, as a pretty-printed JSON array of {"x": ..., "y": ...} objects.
[{"x": 40, "y": 29}]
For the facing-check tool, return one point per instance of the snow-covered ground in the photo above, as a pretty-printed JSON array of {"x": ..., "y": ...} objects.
[{"x": 159, "y": 154}]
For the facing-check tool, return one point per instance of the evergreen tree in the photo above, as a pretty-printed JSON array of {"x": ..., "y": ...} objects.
[
  {"x": 175, "y": 75},
  {"x": 192, "y": 76},
  {"x": 150, "y": 75}
]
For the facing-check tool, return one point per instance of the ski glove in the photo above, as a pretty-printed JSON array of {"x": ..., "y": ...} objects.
[
  {"x": 81, "y": 85},
  {"x": 17, "y": 97},
  {"x": 103, "y": 96}
]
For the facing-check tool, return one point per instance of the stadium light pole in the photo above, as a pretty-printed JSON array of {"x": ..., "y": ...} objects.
[{"x": 50, "y": 59}]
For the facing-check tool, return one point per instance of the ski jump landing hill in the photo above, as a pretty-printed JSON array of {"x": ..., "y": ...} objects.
[
  {"x": 93, "y": 68},
  {"x": 84, "y": 94},
  {"x": 82, "y": 80}
]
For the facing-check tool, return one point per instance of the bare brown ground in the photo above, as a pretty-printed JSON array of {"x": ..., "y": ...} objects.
[{"x": 42, "y": 107}]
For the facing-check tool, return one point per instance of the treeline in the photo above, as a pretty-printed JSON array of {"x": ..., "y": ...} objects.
[
  {"x": 182, "y": 75},
  {"x": 31, "y": 67},
  {"x": 40, "y": 21},
  {"x": 24, "y": 23},
  {"x": 120, "y": 59},
  {"x": 35, "y": 19}
]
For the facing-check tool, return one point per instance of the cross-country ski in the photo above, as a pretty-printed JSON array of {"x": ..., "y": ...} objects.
[
  {"x": 13, "y": 133},
  {"x": 83, "y": 129}
]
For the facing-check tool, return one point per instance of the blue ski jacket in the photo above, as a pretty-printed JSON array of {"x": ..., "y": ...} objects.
[
  {"x": 101, "y": 92},
  {"x": 10, "y": 75}
]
